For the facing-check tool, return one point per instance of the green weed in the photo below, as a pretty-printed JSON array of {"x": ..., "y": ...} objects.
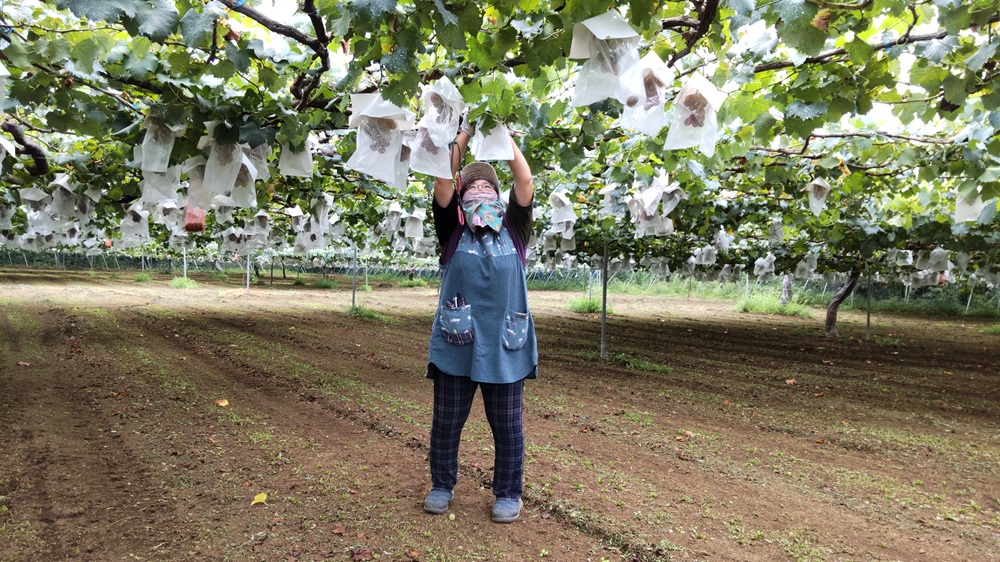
[
  {"x": 415, "y": 282},
  {"x": 325, "y": 284},
  {"x": 183, "y": 283},
  {"x": 142, "y": 278},
  {"x": 584, "y": 305},
  {"x": 767, "y": 304},
  {"x": 366, "y": 313}
]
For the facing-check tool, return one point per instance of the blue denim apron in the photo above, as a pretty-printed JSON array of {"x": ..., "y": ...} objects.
[{"x": 483, "y": 328}]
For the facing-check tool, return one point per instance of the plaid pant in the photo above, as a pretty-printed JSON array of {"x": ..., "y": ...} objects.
[{"x": 452, "y": 403}]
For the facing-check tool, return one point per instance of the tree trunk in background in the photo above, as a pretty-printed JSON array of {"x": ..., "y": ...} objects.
[
  {"x": 786, "y": 290},
  {"x": 841, "y": 296}
]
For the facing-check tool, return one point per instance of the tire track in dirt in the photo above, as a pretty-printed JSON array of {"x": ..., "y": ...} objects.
[
  {"x": 390, "y": 359},
  {"x": 652, "y": 462},
  {"x": 267, "y": 390},
  {"x": 83, "y": 482}
]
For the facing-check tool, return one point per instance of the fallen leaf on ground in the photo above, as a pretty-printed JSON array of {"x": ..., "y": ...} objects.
[
  {"x": 222, "y": 403},
  {"x": 259, "y": 498},
  {"x": 24, "y": 363},
  {"x": 339, "y": 530},
  {"x": 789, "y": 381}
]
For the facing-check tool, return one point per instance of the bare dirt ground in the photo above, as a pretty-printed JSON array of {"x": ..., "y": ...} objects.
[{"x": 708, "y": 435}]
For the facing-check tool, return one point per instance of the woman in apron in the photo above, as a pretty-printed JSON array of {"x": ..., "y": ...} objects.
[{"x": 483, "y": 335}]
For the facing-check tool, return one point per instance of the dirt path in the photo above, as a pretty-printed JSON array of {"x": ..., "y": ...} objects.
[{"x": 710, "y": 435}]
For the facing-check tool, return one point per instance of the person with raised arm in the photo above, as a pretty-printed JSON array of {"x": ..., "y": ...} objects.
[{"x": 483, "y": 334}]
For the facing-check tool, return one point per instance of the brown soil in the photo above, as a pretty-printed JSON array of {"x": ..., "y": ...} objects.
[{"x": 708, "y": 435}]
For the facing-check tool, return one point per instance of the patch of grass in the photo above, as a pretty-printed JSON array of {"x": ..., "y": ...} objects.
[
  {"x": 766, "y": 304},
  {"x": 325, "y": 284},
  {"x": 415, "y": 282},
  {"x": 298, "y": 282},
  {"x": 637, "y": 363},
  {"x": 220, "y": 276},
  {"x": 991, "y": 329},
  {"x": 183, "y": 283},
  {"x": 366, "y": 313},
  {"x": 628, "y": 361},
  {"x": 584, "y": 305},
  {"x": 142, "y": 278},
  {"x": 888, "y": 341},
  {"x": 113, "y": 276}
]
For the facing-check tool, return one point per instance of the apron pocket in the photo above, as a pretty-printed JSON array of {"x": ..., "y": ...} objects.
[
  {"x": 455, "y": 321},
  {"x": 515, "y": 329}
]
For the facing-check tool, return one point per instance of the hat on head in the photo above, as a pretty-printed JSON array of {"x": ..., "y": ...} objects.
[{"x": 480, "y": 171}]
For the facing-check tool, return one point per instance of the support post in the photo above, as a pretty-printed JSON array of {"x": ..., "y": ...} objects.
[{"x": 604, "y": 304}]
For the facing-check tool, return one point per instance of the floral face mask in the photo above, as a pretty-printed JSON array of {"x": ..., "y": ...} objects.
[{"x": 483, "y": 209}]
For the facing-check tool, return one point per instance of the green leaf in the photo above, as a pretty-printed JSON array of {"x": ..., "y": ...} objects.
[
  {"x": 954, "y": 89},
  {"x": 99, "y": 10},
  {"x": 341, "y": 26},
  {"x": 990, "y": 175},
  {"x": 16, "y": 53},
  {"x": 158, "y": 21},
  {"x": 269, "y": 78},
  {"x": 763, "y": 125},
  {"x": 197, "y": 28},
  {"x": 796, "y": 28},
  {"x": 937, "y": 49},
  {"x": 928, "y": 76},
  {"x": 239, "y": 57},
  {"x": 224, "y": 69},
  {"x": 446, "y": 16},
  {"x": 802, "y": 128},
  {"x": 982, "y": 56},
  {"x": 139, "y": 67},
  {"x": 400, "y": 61},
  {"x": 802, "y": 36},
  {"x": 989, "y": 212},
  {"x": 990, "y": 101},
  {"x": 859, "y": 51},
  {"x": 479, "y": 53},
  {"x": 374, "y": 11},
  {"x": 54, "y": 50},
  {"x": 806, "y": 110},
  {"x": 85, "y": 52},
  {"x": 253, "y": 134},
  {"x": 748, "y": 107},
  {"x": 955, "y": 20},
  {"x": 139, "y": 47}
]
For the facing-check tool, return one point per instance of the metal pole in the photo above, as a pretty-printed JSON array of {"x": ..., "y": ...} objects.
[
  {"x": 604, "y": 304},
  {"x": 354, "y": 278},
  {"x": 868, "y": 326},
  {"x": 248, "y": 273},
  {"x": 972, "y": 289},
  {"x": 184, "y": 255}
]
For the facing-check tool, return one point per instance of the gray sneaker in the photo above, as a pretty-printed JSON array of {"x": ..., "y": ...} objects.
[
  {"x": 437, "y": 501},
  {"x": 507, "y": 510}
]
